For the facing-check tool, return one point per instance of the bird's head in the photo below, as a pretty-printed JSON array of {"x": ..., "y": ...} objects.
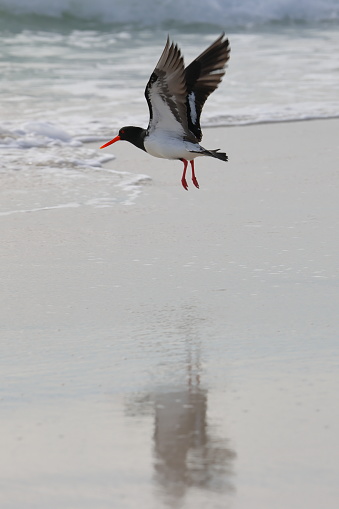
[{"x": 128, "y": 133}]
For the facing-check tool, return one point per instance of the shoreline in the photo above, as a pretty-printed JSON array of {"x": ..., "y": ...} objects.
[{"x": 269, "y": 122}]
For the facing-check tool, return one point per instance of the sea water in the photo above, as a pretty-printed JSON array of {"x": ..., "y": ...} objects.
[{"x": 74, "y": 72}]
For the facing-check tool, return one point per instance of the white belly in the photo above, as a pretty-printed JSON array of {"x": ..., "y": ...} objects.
[{"x": 169, "y": 147}]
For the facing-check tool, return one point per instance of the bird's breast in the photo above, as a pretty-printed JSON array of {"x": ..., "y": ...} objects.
[{"x": 170, "y": 147}]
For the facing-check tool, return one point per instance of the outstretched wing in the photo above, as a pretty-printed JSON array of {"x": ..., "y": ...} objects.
[
  {"x": 166, "y": 94},
  {"x": 202, "y": 77}
]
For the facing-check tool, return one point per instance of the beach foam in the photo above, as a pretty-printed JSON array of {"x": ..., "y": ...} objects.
[{"x": 41, "y": 155}]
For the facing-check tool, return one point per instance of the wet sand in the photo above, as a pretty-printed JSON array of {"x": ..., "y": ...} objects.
[{"x": 181, "y": 351}]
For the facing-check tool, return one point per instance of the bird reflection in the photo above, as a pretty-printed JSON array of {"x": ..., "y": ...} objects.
[{"x": 187, "y": 451}]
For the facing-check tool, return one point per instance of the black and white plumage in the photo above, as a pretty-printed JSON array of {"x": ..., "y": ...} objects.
[{"x": 175, "y": 96}]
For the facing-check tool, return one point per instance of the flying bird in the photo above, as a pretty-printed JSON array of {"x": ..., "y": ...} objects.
[{"x": 175, "y": 96}]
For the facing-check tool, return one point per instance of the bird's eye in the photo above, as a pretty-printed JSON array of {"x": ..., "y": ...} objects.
[{"x": 122, "y": 131}]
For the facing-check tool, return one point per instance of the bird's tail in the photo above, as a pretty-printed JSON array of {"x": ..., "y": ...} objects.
[{"x": 219, "y": 155}]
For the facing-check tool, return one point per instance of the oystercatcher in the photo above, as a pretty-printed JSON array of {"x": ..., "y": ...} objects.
[{"x": 175, "y": 97}]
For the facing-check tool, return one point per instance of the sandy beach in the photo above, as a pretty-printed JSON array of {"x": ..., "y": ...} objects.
[{"x": 181, "y": 350}]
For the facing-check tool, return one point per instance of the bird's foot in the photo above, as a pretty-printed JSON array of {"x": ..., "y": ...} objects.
[
  {"x": 194, "y": 178},
  {"x": 195, "y": 182},
  {"x": 184, "y": 183}
]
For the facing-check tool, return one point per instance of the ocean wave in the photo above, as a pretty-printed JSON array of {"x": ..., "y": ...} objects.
[
  {"x": 37, "y": 157},
  {"x": 149, "y": 12}
]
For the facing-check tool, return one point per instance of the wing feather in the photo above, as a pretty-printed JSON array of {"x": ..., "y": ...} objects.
[
  {"x": 166, "y": 94},
  {"x": 176, "y": 96},
  {"x": 203, "y": 76}
]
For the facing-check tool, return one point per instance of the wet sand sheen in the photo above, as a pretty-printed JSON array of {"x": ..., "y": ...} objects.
[{"x": 181, "y": 351}]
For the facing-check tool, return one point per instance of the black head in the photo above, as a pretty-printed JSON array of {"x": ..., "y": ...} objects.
[
  {"x": 134, "y": 135},
  {"x": 129, "y": 132}
]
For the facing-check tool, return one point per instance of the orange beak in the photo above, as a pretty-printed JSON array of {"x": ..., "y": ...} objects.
[{"x": 117, "y": 138}]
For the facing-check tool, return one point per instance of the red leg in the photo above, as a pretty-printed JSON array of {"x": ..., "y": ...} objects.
[
  {"x": 183, "y": 178},
  {"x": 194, "y": 178}
]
